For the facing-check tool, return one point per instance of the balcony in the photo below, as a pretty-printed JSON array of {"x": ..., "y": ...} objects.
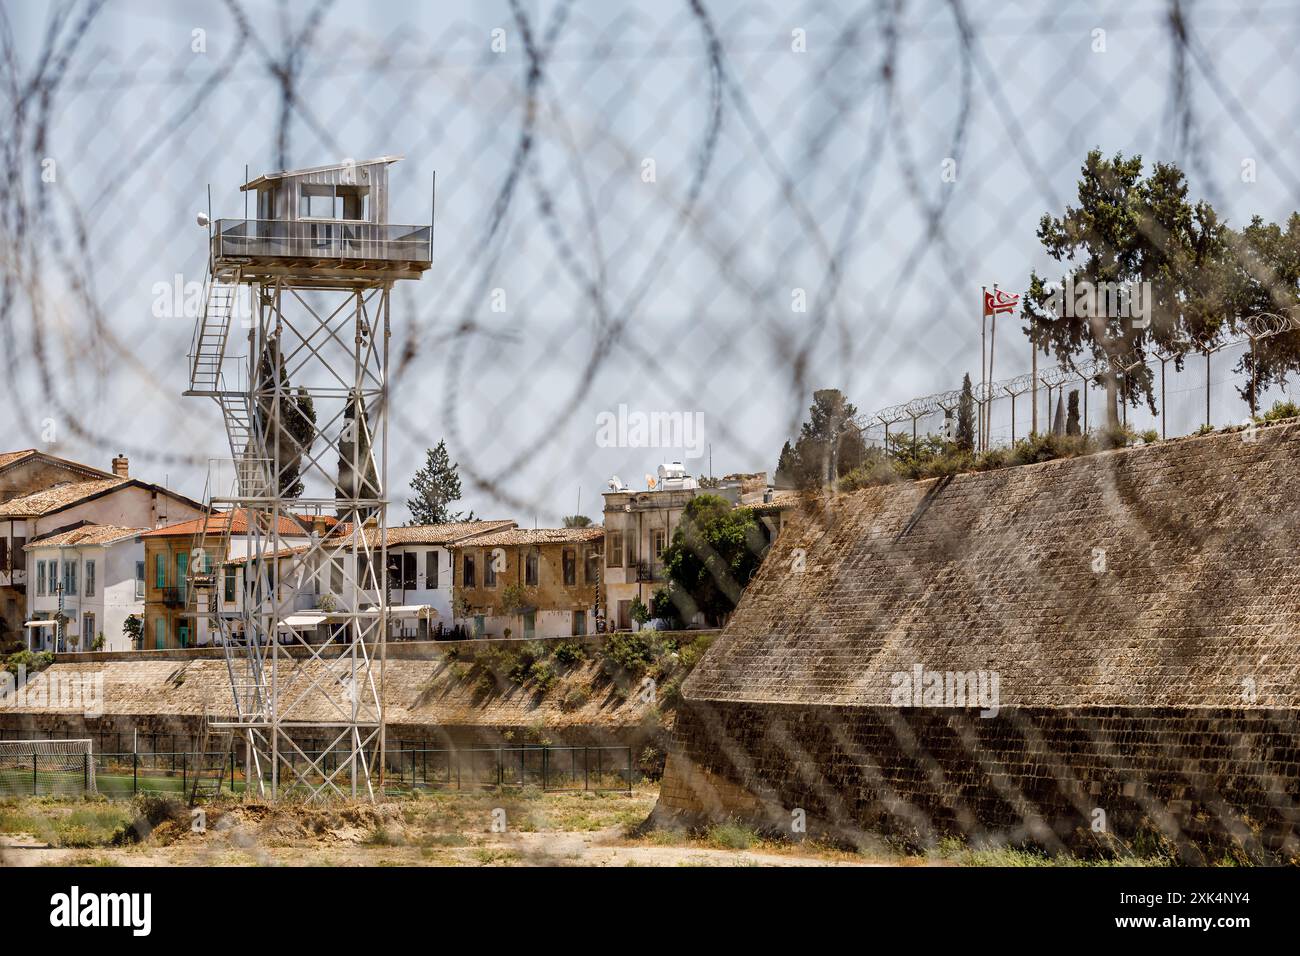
[
  {"x": 13, "y": 578},
  {"x": 647, "y": 571},
  {"x": 345, "y": 243},
  {"x": 173, "y": 597}
]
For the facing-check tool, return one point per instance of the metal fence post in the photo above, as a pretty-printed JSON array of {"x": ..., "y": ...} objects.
[
  {"x": 629, "y": 769},
  {"x": 135, "y": 773},
  {"x": 33, "y": 775}
]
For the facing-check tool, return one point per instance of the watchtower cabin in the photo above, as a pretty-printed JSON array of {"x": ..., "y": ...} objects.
[{"x": 323, "y": 224}]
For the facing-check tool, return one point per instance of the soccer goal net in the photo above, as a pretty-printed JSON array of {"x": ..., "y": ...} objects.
[{"x": 63, "y": 768}]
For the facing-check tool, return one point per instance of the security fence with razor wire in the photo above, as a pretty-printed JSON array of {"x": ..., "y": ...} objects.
[{"x": 713, "y": 209}]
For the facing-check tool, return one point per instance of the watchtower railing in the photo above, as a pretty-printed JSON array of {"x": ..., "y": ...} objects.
[{"x": 321, "y": 239}]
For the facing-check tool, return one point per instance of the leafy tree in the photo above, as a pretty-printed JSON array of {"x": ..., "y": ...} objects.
[
  {"x": 1127, "y": 229},
  {"x": 663, "y": 607},
  {"x": 285, "y": 416},
  {"x": 1266, "y": 278},
  {"x": 713, "y": 554},
  {"x": 829, "y": 446},
  {"x": 577, "y": 521},
  {"x": 133, "y": 628},
  {"x": 965, "y": 440},
  {"x": 435, "y": 487}
]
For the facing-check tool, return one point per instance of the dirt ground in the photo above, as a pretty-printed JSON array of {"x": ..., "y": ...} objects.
[{"x": 453, "y": 829}]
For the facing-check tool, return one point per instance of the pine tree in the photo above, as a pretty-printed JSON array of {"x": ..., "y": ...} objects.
[
  {"x": 966, "y": 416},
  {"x": 787, "y": 467},
  {"x": 435, "y": 487}
]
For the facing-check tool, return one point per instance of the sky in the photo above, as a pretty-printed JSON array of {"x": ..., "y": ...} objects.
[{"x": 876, "y": 170}]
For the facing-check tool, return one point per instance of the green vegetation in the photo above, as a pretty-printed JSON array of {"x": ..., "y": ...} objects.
[
  {"x": 32, "y": 661},
  {"x": 714, "y": 552},
  {"x": 434, "y": 487}
]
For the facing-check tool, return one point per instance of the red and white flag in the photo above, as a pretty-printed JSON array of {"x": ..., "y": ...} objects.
[{"x": 999, "y": 301}]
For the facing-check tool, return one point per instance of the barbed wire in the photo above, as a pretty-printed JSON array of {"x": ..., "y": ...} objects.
[{"x": 816, "y": 166}]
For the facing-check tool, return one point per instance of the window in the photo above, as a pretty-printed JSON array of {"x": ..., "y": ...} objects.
[
  {"x": 70, "y": 578},
  {"x": 139, "y": 579},
  {"x": 159, "y": 633},
  {"x": 20, "y": 545},
  {"x": 87, "y": 626},
  {"x": 530, "y": 567},
  {"x": 408, "y": 571},
  {"x": 431, "y": 570},
  {"x": 467, "y": 576},
  {"x": 90, "y": 579},
  {"x": 569, "y": 559},
  {"x": 614, "y": 549},
  {"x": 579, "y": 623},
  {"x": 182, "y": 568},
  {"x": 319, "y": 202},
  {"x": 54, "y": 576},
  {"x": 658, "y": 539},
  {"x": 230, "y": 584},
  {"x": 4, "y": 554},
  {"x": 491, "y": 560},
  {"x": 40, "y": 579},
  {"x": 591, "y": 570},
  {"x": 160, "y": 570}
]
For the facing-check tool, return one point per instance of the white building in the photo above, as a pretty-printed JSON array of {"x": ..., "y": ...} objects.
[
  {"x": 90, "y": 578},
  {"x": 119, "y": 501},
  {"x": 419, "y": 561}
]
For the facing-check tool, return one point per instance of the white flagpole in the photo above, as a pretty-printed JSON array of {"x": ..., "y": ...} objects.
[{"x": 983, "y": 365}]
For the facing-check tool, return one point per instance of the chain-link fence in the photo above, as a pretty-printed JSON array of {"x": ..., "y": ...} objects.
[{"x": 707, "y": 208}]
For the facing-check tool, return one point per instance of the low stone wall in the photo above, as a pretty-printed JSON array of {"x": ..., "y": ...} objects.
[{"x": 163, "y": 696}]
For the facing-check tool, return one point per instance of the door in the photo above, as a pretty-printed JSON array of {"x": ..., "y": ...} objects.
[
  {"x": 530, "y": 624},
  {"x": 625, "y": 615}
]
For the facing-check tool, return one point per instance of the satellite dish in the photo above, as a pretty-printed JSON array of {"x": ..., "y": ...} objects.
[{"x": 203, "y": 219}]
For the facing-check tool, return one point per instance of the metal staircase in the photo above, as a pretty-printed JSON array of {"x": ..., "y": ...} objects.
[
  {"x": 208, "y": 350},
  {"x": 212, "y": 766}
]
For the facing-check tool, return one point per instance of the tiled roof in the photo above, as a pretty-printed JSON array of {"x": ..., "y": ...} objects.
[
  {"x": 537, "y": 536},
  {"x": 449, "y": 533},
  {"x": 216, "y": 524},
  {"x": 7, "y": 458},
  {"x": 60, "y": 496},
  {"x": 445, "y": 533},
  {"x": 86, "y": 534}
]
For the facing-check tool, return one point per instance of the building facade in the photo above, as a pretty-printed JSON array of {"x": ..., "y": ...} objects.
[
  {"x": 524, "y": 583},
  {"x": 117, "y": 501},
  {"x": 87, "y": 582}
]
